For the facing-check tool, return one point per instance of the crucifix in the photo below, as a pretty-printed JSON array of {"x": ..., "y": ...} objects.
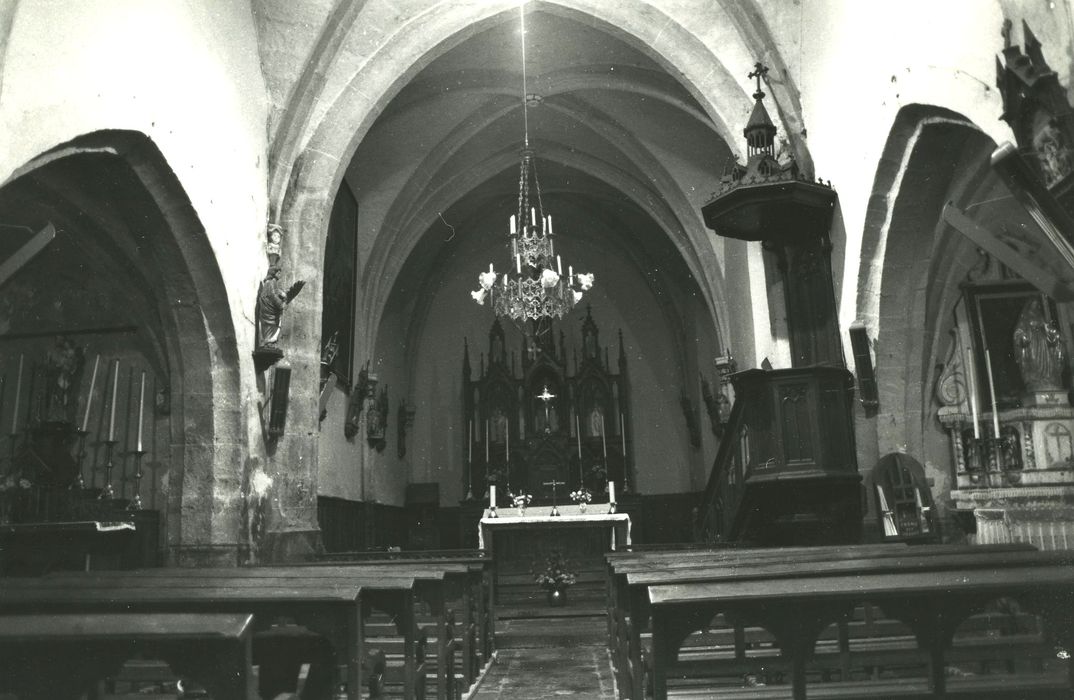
[
  {"x": 546, "y": 396},
  {"x": 553, "y": 483}
]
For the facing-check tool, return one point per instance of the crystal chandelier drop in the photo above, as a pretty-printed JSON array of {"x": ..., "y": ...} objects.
[{"x": 532, "y": 287}]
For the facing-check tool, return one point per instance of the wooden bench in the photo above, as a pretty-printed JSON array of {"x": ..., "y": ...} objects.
[
  {"x": 59, "y": 656},
  {"x": 931, "y": 597},
  {"x": 630, "y": 576},
  {"x": 330, "y": 605},
  {"x": 464, "y": 606}
]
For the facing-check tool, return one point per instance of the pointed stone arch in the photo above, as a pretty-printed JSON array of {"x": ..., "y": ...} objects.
[{"x": 205, "y": 511}]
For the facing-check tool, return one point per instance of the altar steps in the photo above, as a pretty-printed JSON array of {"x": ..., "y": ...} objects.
[{"x": 526, "y": 620}]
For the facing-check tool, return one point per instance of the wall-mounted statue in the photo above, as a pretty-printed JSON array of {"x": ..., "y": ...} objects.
[
  {"x": 63, "y": 371},
  {"x": 272, "y": 299},
  {"x": 359, "y": 394},
  {"x": 376, "y": 420},
  {"x": 1039, "y": 350}
]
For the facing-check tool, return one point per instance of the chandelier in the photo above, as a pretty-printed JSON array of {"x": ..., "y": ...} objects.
[{"x": 531, "y": 286}]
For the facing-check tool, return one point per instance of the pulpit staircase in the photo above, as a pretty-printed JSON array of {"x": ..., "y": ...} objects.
[{"x": 785, "y": 472}]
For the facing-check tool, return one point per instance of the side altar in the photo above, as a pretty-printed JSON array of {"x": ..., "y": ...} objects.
[{"x": 538, "y": 416}]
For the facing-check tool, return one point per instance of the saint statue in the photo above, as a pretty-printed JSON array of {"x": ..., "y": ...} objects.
[
  {"x": 271, "y": 301},
  {"x": 63, "y": 371},
  {"x": 1039, "y": 350}
]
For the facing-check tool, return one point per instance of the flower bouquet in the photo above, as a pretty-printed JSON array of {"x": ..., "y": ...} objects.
[
  {"x": 520, "y": 500},
  {"x": 555, "y": 577},
  {"x": 582, "y": 496}
]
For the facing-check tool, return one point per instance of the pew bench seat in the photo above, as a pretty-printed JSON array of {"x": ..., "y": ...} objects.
[{"x": 64, "y": 655}]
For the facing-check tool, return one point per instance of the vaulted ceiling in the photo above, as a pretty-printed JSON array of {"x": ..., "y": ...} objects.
[{"x": 625, "y": 156}]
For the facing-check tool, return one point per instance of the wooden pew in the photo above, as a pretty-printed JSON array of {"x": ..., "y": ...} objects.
[
  {"x": 932, "y": 595},
  {"x": 329, "y": 604},
  {"x": 630, "y": 576},
  {"x": 468, "y": 580},
  {"x": 61, "y": 656}
]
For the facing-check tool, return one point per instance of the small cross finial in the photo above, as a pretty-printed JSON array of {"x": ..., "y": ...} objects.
[{"x": 759, "y": 72}]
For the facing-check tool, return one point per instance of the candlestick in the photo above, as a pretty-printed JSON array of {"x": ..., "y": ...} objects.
[
  {"x": 622, "y": 436},
  {"x": 492, "y": 500},
  {"x": 115, "y": 390},
  {"x": 611, "y": 496},
  {"x": 559, "y": 266},
  {"x": 30, "y": 395},
  {"x": 470, "y": 444},
  {"x": 992, "y": 390},
  {"x": 15, "y": 406},
  {"x": 136, "y": 501},
  {"x": 141, "y": 412},
  {"x": 80, "y": 482},
  {"x": 89, "y": 396},
  {"x": 513, "y": 229},
  {"x": 107, "y": 491},
  {"x": 578, "y": 432},
  {"x": 507, "y": 443},
  {"x": 486, "y": 443},
  {"x": 603, "y": 443}
]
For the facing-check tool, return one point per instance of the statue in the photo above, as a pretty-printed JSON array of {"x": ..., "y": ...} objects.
[
  {"x": 1039, "y": 350},
  {"x": 271, "y": 301},
  {"x": 63, "y": 370}
]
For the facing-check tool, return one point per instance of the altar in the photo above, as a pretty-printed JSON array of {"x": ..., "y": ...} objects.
[{"x": 518, "y": 541}]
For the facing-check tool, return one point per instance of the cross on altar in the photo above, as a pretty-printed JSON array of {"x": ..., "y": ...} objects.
[
  {"x": 546, "y": 396},
  {"x": 553, "y": 483}
]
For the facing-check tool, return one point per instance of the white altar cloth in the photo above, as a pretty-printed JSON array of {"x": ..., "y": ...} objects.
[{"x": 596, "y": 514}]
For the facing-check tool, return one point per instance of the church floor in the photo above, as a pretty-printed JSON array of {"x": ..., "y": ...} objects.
[{"x": 537, "y": 674}]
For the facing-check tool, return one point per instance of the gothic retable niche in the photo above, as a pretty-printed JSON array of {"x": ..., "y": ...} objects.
[{"x": 550, "y": 421}]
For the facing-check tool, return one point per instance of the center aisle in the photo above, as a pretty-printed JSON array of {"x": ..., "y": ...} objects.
[{"x": 538, "y": 674}]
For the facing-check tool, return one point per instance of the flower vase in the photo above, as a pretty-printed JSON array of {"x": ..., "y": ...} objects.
[
  {"x": 521, "y": 511},
  {"x": 581, "y": 506},
  {"x": 557, "y": 597}
]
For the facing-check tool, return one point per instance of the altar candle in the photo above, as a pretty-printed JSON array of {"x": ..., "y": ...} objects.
[
  {"x": 518, "y": 263},
  {"x": 578, "y": 432},
  {"x": 15, "y": 406},
  {"x": 141, "y": 412},
  {"x": 470, "y": 444},
  {"x": 492, "y": 496},
  {"x": 533, "y": 217},
  {"x": 603, "y": 444},
  {"x": 549, "y": 217},
  {"x": 611, "y": 492},
  {"x": 115, "y": 390},
  {"x": 992, "y": 390},
  {"x": 89, "y": 396},
  {"x": 622, "y": 432},
  {"x": 507, "y": 444},
  {"x": 513, "y": 229},
  {"x": 973, "y": 410},
  {"x": 559, "y": 266}
]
